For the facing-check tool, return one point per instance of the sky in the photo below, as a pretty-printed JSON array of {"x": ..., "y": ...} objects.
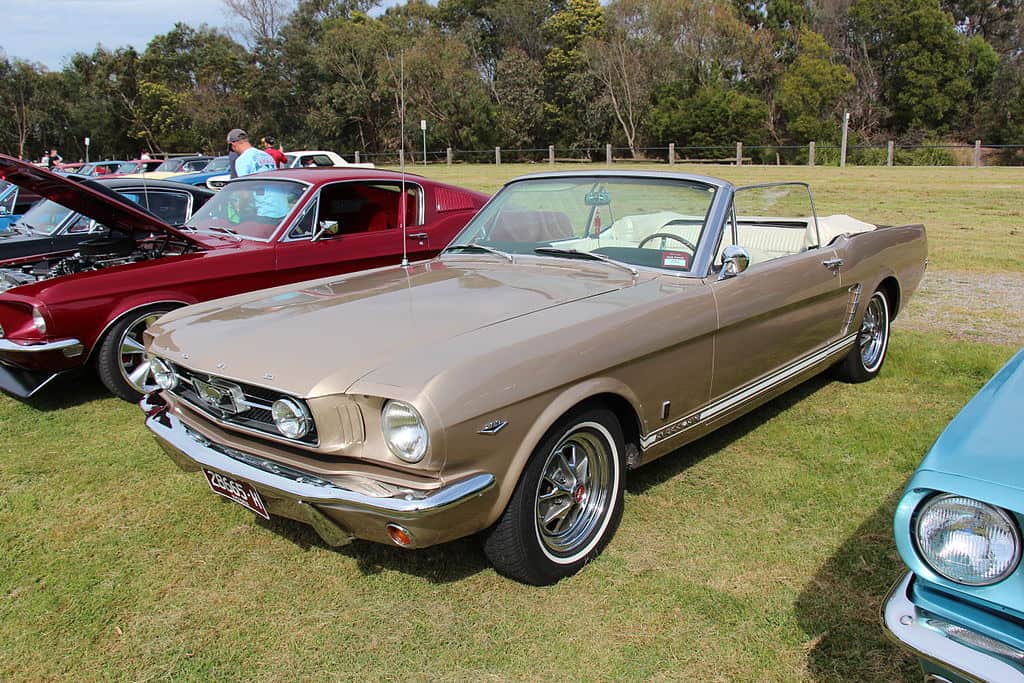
[{"x": 50, "y": 31}]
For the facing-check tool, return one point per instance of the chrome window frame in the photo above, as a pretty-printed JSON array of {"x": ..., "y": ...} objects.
[{"x": 420, "y": 211}]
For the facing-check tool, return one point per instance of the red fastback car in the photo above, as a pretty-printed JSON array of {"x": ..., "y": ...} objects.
[{"x": 62, "y": 313}]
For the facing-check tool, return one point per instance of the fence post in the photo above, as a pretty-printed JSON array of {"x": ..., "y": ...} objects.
[
  {"x": 551, "y": 154},
  {"x": 891, "y": 157},
  {"x": 401, "y": 157},
  {"x": 810, "y": 153},
  {"x": 497, "y": 156},
  {"x": 739, "y": 153},
  {"x": 608, "y": 154},
  {"x": 977, "y": 154},
  {"x": 671, "y": 153},
  {"x": 357, "y": 156},
  {"x": 448, "y": 156},
  {"x": 846, "y": 128}
]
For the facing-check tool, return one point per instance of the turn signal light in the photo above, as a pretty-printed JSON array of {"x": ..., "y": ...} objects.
[{"x": 400, "y": 535}]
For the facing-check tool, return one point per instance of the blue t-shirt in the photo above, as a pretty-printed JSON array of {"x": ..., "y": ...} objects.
[{"x": 254, "y": 160}]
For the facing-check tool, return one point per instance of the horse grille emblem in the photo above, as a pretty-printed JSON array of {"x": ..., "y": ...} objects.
[{"x": 223, "y": 397}]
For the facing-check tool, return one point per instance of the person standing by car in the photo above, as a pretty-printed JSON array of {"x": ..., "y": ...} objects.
[
  {"x": 278, "y": 156},
  {"x": 250, "y": 160},
  {"x": 52, "y": 159}
]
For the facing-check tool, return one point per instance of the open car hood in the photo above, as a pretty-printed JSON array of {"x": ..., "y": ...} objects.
[{"x": 89, "y": 199}]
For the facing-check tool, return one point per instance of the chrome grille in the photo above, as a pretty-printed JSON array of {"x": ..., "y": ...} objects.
[{"x": 249, "y": 406}]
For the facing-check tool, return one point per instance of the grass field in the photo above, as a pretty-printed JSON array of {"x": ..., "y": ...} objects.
[{"x": 759, "y": 553}]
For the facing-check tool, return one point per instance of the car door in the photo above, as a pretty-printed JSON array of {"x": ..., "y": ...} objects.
[
  {"x": 789, "y": 308},
  {"x": 354, "y": 225}
]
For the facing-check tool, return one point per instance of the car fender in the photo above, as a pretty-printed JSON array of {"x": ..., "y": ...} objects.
[
  {"x": 136, "y": 303},
  {"x": 563, "y": 402}
]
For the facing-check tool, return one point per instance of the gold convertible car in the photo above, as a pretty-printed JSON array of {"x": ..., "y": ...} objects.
[{"x": 580, "y": 326}]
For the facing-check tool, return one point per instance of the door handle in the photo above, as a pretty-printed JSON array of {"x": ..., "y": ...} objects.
[
  {"x": 416, "y": 236},
  {"x": 833, "y": 264}
]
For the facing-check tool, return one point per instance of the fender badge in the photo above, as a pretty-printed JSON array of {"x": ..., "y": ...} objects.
[
  {"x": 220, "y": 365},
  {"x": 267, "y": 375},
  {"x": 493, "y": 427}
]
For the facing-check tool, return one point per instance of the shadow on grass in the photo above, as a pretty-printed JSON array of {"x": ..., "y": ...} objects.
[
  {"x": 464, "y": 557},
  {"x": 443, "y": 563},
  {"x": 840, "y": 609},
  {"x": 73, "y": 389},
  {"x": 681, "y": 459}
]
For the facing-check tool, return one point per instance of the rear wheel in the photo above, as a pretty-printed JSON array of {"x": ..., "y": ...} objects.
[
  {"x": 867, "y": 355},
  {"x": 121, "y": 360},
  {"x": 567, "y": 504}
]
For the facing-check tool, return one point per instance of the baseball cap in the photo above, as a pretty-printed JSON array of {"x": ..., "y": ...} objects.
[{"x": 237, "y": 134}]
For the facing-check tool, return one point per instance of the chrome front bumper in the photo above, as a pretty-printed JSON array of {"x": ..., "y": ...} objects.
[
  {"x": 308, "y": 497},
  {"x": 904, "y": 624},
  {"x": 69, "y": 347}
]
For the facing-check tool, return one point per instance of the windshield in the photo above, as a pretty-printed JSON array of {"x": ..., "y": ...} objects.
[
  {"x": 218, "y": 165},
  {"x": 655, "y": 222},
  {"x": 169, "y": 166},
  {"x": 249, "y": 208},
  {"x": 128, "y": 167},
  {"x": 44, "y": 217},
  {"x": 8, "y": 198}
]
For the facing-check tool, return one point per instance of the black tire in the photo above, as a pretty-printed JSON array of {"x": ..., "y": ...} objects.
[
  {"x": 865, "y": 359},
  {"x": 121, "y": 351},
  {"x": 577, "y": 475}
]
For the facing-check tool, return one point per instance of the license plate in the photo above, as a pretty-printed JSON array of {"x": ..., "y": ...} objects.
[{"x": 241, "y": 492}]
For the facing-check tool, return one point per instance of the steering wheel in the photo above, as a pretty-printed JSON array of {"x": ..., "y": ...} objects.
[{"x": 667, "y": 235}]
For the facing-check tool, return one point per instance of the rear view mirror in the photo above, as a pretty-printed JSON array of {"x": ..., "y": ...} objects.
[{"x": 597, "y": 198}]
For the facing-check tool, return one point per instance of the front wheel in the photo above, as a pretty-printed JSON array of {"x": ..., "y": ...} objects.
[
  {"x": 567, "y": 504},
  {"x": 121, "y": 359},
  {"x": 868, "y": 353}
]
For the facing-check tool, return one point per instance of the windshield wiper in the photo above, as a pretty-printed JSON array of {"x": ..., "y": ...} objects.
[
  {"x": 217, "y": 229},
  {"x": 479, "y": 247},
  {"x": 586, "y": 255}
]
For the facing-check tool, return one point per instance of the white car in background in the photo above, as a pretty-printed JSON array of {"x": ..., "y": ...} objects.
[{"x": 304, "y": 158}]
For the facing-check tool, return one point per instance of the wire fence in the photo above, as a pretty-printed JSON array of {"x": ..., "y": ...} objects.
[{"x": 812, "y": 154}]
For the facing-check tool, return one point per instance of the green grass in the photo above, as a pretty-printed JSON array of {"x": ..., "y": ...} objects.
[
  {"x": 974, "y": 216},
  {"x": 762, "y": 552}
]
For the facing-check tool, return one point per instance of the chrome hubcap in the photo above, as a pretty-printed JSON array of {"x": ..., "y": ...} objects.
[
  {"x": 134, "y": 366},
  {"x": 873, "y": 333},
  {"x": 575, "y": 491}
]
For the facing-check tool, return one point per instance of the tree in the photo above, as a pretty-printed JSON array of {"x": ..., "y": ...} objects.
[
  {"x": 919, "y": 58},
  {"x": 519, "y": 96},
  {"x": 710, "y": 116},
  {"x": 811, "y": 90},
  {"x": 261, "y": 20}
]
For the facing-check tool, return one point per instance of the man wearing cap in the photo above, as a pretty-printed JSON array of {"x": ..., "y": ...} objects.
[{"x": 250, "y": 160}]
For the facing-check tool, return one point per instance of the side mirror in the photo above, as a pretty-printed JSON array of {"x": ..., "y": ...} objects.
[
  {"x": 735, "y": 260},
  {"x": 324, "y": 228}
]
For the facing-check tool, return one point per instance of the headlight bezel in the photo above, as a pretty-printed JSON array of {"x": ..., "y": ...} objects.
[
  {"x": 392, "y": 413},
  {"x": 995, "y": 513},
  {"x": 297, "y": 412}
]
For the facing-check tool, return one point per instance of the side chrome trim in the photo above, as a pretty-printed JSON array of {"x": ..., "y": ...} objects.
[
  {"x": 70, "y": 347},
  {"x": 193, "y": 451},
  {"x": 745, "y": 393},
  {"x": 904, "y": 625}
]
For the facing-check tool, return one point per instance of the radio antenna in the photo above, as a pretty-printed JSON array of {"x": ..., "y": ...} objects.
[{"x": 401, "y": 160}]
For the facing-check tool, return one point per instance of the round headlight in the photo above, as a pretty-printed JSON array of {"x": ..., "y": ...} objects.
[
  {"x": 291, "y": 417},
  {"x": 163, "y": 374},
  {"x": 38, "y": 321},
  {"x": 404, "y": 432},
  {"x": 967, "y": 541}
]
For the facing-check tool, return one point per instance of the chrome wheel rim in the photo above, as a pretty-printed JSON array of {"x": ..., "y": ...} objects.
[
  {"x": 132, "y": 361},
  {"x": 874, "y": 333},
  {"x": 575, "y": 491}
]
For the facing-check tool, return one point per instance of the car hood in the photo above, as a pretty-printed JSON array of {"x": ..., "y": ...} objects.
[
  {"x": 92, "y": 200},
  {"x": 985, "y": 441},
  {"x": 320, "y": 337}
]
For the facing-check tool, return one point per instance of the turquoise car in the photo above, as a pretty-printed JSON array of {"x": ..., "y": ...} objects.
[
  {"x": 960, "y": 609},
  {"x": 8, "y": 204}
]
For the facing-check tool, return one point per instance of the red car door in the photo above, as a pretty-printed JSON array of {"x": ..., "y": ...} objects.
[{"x": 355, "y": 225}]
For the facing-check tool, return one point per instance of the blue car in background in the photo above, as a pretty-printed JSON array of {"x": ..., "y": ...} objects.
[
  {"x": 8, "y": 200},
  {"x": 958, "y": 528},
  {"x": 218, "y": 166}
]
